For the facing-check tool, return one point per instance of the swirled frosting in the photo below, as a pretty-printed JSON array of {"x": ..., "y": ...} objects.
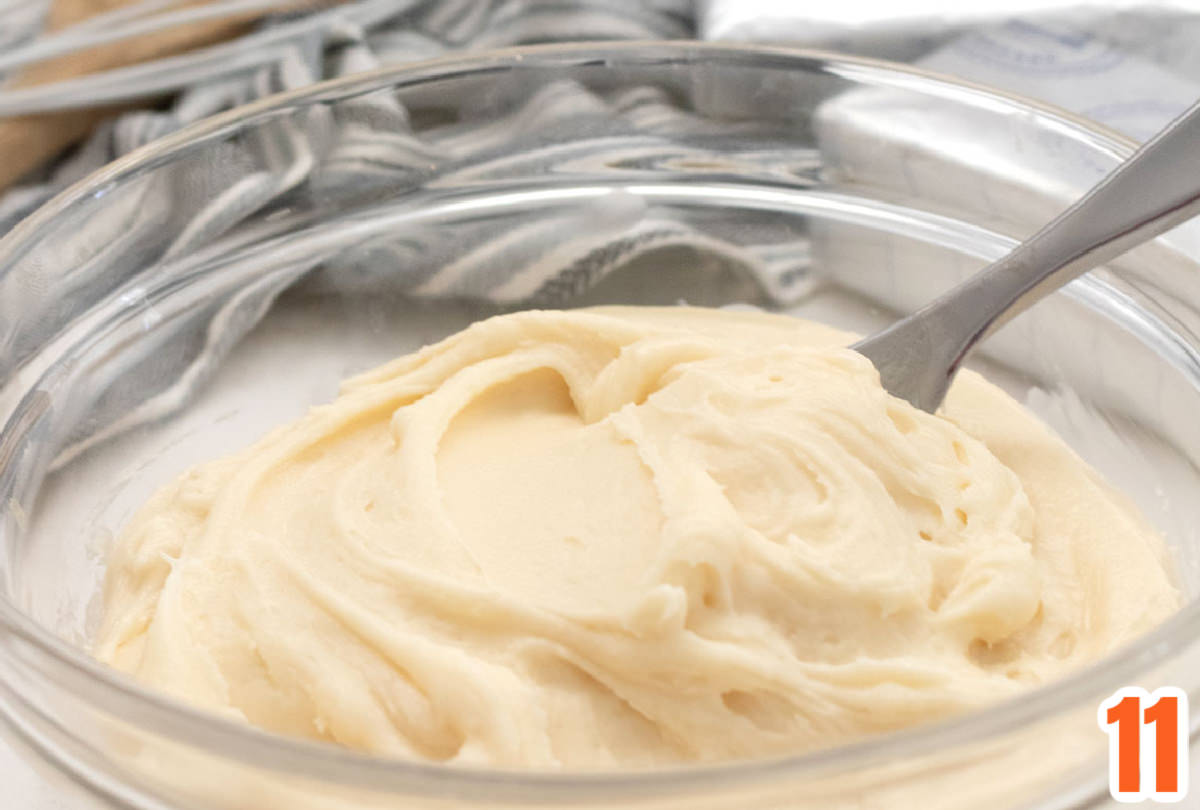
[{"x": 622, "y": 537}]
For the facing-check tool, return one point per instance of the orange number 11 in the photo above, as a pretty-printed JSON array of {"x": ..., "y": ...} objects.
[{"x": 1122, "y": 718}]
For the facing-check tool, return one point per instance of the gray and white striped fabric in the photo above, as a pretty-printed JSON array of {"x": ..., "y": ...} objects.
[
  {"x": 538, "y": 260},
  {"x": 399, "y": 31},
  {"x": 301, "y": 49},
  {"x": 368, "y": 142},
  {"x": 542, "y": 259},
  {"x": 375, "y": 145}
]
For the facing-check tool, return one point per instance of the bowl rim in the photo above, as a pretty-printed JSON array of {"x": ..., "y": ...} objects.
[{"x": 117, "y": 694}]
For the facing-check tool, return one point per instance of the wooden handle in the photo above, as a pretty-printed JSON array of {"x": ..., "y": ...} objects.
[{"x": 28, "y": 141}]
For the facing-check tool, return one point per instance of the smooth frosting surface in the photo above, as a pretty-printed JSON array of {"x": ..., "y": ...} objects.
[{"x": 622, "y": 537}]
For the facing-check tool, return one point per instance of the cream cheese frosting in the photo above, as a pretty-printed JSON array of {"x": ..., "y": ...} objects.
[{"x": 625, "y": 537}]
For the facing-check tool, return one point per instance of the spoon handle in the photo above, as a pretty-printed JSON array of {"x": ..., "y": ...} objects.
[{"x": 1156, "y": 189}]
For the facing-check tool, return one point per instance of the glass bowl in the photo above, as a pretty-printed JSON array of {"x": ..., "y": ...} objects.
[{"x": 183, "y": 300}]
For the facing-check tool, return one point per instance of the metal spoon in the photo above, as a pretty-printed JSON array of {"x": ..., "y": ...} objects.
[{"x": 1156, "y": 189}]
